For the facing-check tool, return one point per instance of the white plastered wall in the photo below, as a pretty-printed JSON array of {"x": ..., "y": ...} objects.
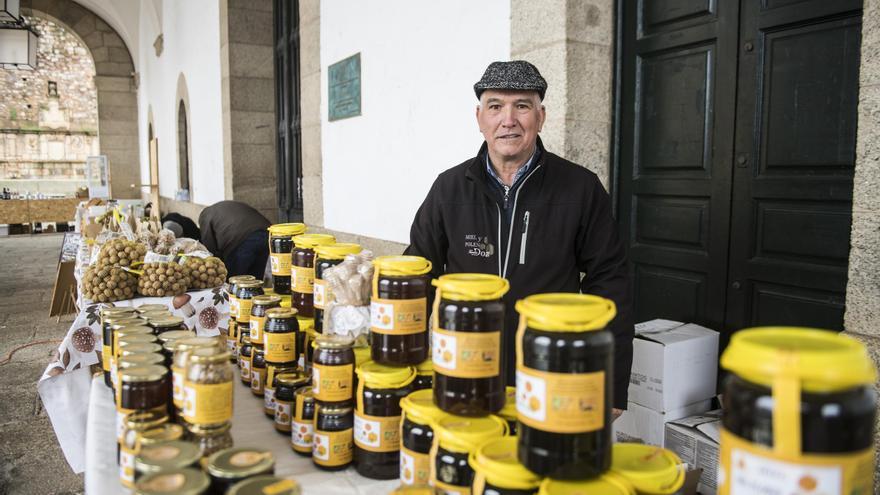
[
  {"x": 191, "y": 46},
  {"x": 419, "y": 61}
]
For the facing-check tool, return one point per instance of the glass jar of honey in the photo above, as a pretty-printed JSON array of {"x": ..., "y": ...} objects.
[
  {"x": 326, "y": 257},
  {"x": 398, "y": 310},
  {"x": 303, "y": 271},
  {"x": 280, "y": 251}
]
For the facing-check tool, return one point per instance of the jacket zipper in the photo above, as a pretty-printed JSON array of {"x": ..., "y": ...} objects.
[
  {"x": 522, "y": 242},
  {"x": 499, "y": 238},
  {"x": 506, "y": 195},
  {"x": 512, "y": 216}
]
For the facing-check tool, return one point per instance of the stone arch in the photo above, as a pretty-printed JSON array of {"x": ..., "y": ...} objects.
[
  {"x": 182, "y": 99},
  {"x": 115, "y": 82}
]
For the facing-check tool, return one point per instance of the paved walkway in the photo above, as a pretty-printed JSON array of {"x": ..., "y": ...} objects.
[{"x": 31, "y": 461}]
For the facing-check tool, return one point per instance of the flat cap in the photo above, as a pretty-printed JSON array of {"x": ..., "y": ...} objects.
[{"x": 516, "y": 74}]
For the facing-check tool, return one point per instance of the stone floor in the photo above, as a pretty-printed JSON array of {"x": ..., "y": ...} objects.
[{"x": 31, "y": 462}]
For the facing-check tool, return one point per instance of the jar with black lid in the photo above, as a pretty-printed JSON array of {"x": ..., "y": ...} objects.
[
  {"x": 419, "y": 412},
  {"x": 564, "y": 377},
  {"x": 302, "y": 424},
  {"x": 466, "y": 343},
  {"x": 327, "y": 256},
  {"x": 333, "y": 370},
  {"x": 186, "y": 481},
  {"x": 280, "y": 251},
  {"x": 228, "y": 467},
  {"x": 302, "y": 271},
  {"x": 799, "y": 404},
  {"x": 210, "y": 438},
  {"x": 333, "y": 447},
  {"x": 245, "y": 353},
  {"x": 286, "y": 385},
  {"x": 261, "y": 304},
  {"x": 207, "y": 387},
  {"x": 424, "y": 375},
  {"x": 176, "y": 454},
  {"x": 377, "y": 418},
  {"x": 182, "y": 350},
  {"x": 166, "y": 324},
  {"x": 244, "y": 297},
  {"x": 455, "y": 438},
  {"x": 279, "y": 337},
  {"x": 258, "y": 370},
  {"x": 497, "y": 471},
  {"x": 398, "y": 310},
  {"x": 232, "y": 291},
  {"x": 132, "y": 426},
  {"x": 272, "y": 371}
]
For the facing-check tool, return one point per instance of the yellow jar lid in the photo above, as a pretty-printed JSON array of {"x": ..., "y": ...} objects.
[
  {"x": 426, "y": 367},
  {"x": 311, "y": 241},
  {"x": 240, "y": 278},
  {"x": 249, "y": 284},
  {"x": 508, "y": 412},
  {"x": 294, "y": 379},
  {"x": 305, "y": 323},
  {"x": 402, "y": 265},
  {"x": 337, "y": 251},
  {"x": 279, "y": 313},
  {"x": 419, "y": 407},
  {"x": 471, "y": 286},
  {"x": 378, "y": 376},
  {"x": 287, "y": 229},
  {"x": 361, "y": 355},
  {"x": 605, "y": 485},
  {"x": 332, "y": 341},
  {"x": 461, "y": 434},
  {"x": 496, "y": 459},
  {"x": 266, "y": 299},
  {"x": 566, "y": 312},
  {"x": 649, "y": 469},
  {"x": 822, "y": 360},
  {"x": 413, "y": 490}
]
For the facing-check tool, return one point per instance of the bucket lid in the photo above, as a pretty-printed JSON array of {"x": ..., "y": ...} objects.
[
  {"x": 311, "y": 241},
  {"x": 378, "y": 376},
  {"x": 419, "y": 407},
  {"x": 822, "y": 360},
  {"x": 497, "y": 461},
  {"x": 605, "y": 485},
  {"x": 471, "y": 286},
  {"x": 337, "y": 251},
  {"x": 461, "y": 434},
  {"x": 400, "y": 265},
  {"x": 649, "y": 469},
  {"x": 426, "y": 367},
  {"x": 287, "y": 229},
  {"x": 566, "y": 312}
]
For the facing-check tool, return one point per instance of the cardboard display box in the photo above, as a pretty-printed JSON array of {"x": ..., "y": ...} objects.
[
  {"x": 674, "y": 365},
  {"x": 695, "y": 439},
  {"x": 640, "y": 424}
]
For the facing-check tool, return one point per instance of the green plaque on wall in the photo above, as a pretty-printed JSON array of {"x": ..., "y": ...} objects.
[{"x": 344, "y": 91}]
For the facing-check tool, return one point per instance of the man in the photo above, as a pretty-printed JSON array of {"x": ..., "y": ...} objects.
[
  {"x": 523, "y": 213},
  {"x": 236, "y": 233}
]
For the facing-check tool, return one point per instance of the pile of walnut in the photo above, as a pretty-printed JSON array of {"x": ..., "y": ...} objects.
[
  {"x": 108, "y": 284},
  {"x": 121, "y": 252},
  {"x": 204, "y": 273},
  {"x": 162, "y": 279}
]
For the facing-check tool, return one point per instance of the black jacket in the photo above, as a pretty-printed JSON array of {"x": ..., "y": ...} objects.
[
  {"x": 561, "y": 227},
  {"x": 226, "y": 224}
]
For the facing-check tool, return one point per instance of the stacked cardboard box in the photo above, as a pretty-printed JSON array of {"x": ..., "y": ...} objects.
[{"x": 695, "y": 439}]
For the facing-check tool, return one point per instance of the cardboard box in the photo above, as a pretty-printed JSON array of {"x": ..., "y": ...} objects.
[
  {"x": 674, "y": 364},
  {"x": 695, "y": 439},
  {"x": 640, "y": 424}
]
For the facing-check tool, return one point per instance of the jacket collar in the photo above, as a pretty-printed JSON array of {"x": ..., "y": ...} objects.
[{"x": 476, "y": 170}]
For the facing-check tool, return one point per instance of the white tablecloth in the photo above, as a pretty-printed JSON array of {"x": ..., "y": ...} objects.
[{"x": 250, "y": 427}]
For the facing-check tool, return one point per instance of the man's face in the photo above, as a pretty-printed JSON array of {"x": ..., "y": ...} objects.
[{"x": 510, "y": 121}]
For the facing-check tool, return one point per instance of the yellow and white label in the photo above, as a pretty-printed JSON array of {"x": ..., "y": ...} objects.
[
  {"x": 332, "y": 448},
  {"x": 302, "y": 280},
  {"x": 105, "y": 357},
  {"x": 126, "y": 466},
  {"x": 377, "y": 433},
  {"x": 560, "y": 402},
  {"x": 243, "y": 314},
  {"x": 268, "y": 399},
  {"x": 746, "y": 468},
  {"x": 415, "y": 468},
  {"x": 207, "y": 404},
  {"x": 281, "y": 263},
  {"x": 258, "y": 324},
  {"x": 233, "y": 306},
  {"x": 120, "y": 422},
  {"x": 466, "y": 354},
  {"x": 398, "y": 316},
  {"x": 301, "y": 435},
  {"x": 283, "y": 411},
  {"x": 333, "y": 383},
  {"x": 114, "y": 373},
  {"x": 322, "y": 294},
  {"x": 177, "y": 386},
  {"x": 245, "y": 366},
  {"x": 280, "y": 347},
  {"x": 258, "y": 378}
]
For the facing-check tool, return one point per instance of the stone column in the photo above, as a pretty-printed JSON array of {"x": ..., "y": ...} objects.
[
  {"x": 310, "y": 109},
  {"x": 862, "y": 318},
  {"x": 571, "y": 43}
]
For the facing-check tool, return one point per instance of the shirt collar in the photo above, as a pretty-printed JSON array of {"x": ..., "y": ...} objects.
[{"x": 519, "y": 173}]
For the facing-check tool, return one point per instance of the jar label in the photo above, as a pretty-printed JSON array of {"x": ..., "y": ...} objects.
[
  {"x": 243, "y": 315},
  {"x": 747, "y": 468},
  {"x": 333, "y": 383},
  {"x": 301, "y": 435},
  {"x": 322, "y": 294},
  {"x": 268, "y": 399},
  {"x": 302, "y": 279},
  {"x": 105, "y": 357},
  {"x": 332, "y": 448},
  {"x": 281, "y": 263},
  {"x": 233, "y": 306},
  {"x": 258, "y": 323},
  {"x": 415, "y": 468},
  {"x": 466, "y": 354},
  {"x": 245, "y": 369},
  {"x": 207, "y": 404},
  {"x": 280, "y": 347},
  {"x": 377, "y": 433},
  {"x": 398, "y": 316},
  {"x": 452, "y": 489},
  {"x": 114, "y": 371},
  {"x": 560, "y": 402},
  {"x": 126, "y": 466},
  {"x": 230, "y": 345},
  {"x": 120, "y": 422},
  {"x": 257, "y": 379},
  {"x": 282, "y": 413},
  {"x": 177, "y": 386}
]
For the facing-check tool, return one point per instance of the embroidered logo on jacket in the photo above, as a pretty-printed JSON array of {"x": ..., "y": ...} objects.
[{"x": 478, "y": 246}]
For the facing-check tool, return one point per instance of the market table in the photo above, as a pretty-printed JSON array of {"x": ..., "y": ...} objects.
[{"x": 250, "y": 427}]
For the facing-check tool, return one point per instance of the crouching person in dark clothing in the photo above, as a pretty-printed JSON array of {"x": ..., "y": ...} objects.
[{"x": 237, "y": 234}]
